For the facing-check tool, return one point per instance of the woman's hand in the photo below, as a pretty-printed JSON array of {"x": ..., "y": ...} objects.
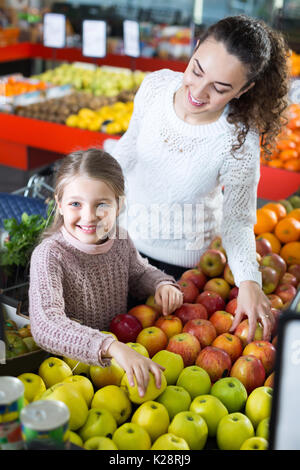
[
  {"x": 135, "y": 365},
  {"x": 253, "y": 302},
  {"x": 169, "y": 298}
]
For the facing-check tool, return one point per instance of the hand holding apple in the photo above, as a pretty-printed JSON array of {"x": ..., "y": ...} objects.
[{"x": 169, "y": 298}]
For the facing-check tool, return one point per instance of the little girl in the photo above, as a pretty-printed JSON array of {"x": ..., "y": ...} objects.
[{"x": 85, "y": 266}]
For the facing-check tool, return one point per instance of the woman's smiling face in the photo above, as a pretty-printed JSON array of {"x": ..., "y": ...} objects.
[{"x": 212, "y": 78}]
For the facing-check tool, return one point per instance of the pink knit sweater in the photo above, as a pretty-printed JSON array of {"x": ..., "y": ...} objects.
[{"x": 76, "y": 289}]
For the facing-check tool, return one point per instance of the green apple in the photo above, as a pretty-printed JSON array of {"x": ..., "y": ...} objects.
[
  {"x": 258, "y": 405},
  {"x": 75, "y": 439},
  {"x": 195, "y": 380},
  {"x": 211, "y": 409},
  {"x": 295, "y": 201},
  {"x": 31, "y": 344},
  {"x": 69, "y": 394},
  {"x": 169, "y": 441},
  {"x": 76, "y": 366},
  {"x": 231, "y": 392},
  {"x": 255, "y": 443},
  {"x": 83, "y": 385},
  {"x": 175, "y": 399},
  {"x": 153, "y": 417},
  {"x": 33, "y": 384},
  {"x": 115, "y": 400},
  {"x": 15, "y": 344},
  {"x": 191, "y": 427},
  {"x": 54, "y": 370},
  {"x": 287, "y": 204},
  {"x": 100, "y": 443},
  {"x": 233, "y": 430},
  {"x": 110, "y": 375},
  {"x": 262, "y": 429},
  {"x": 172, "y": 362},
  {"x": 152, "y": 392},
  {"x": 131, "y": 436},
  {"x": 99, "y": 422},
  {"x": 139, "y": 348}
]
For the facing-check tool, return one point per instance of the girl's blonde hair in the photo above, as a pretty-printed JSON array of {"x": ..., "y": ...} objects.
[{"x": 92, "y": 163}]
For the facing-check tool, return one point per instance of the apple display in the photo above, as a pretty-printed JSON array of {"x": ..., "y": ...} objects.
[
  {"x": 222, "y": 321},
  {"x": 233, "y": 430},
  {"x": 263, "y": 350},
  {"x": 219, "y": 286},
  {"x": 228, "y": 276},
  {"x": 195, "y": 380},
  {"x": 125, "y": 327},
  {"x": 203, "y": 330},
  {"x": 131, "y": 436},
  {"x": 115, "y": 400},
  {"x": 169, "y": 441},
  {"x": 275, "y": 261},
  {"x": 83, "y": 385},
  {"x": 170, "y": 324},
  {"x": 229, "y": 343},
  {"x": 175, "y": 399},
  {"x": 286, "y": 292},
  {"x": 263, "y": 246},
  {"x": 294, "y": 269},
  {"x": 231, "y": 306},
  {"x": 211, "y": 409},
  {"x": 151, "y": 393},
  {"x": 185, "y": 344},
  {"x": 189, "y": 290},
  {"x": 189, "y": 311},
  {"x": 262, "y": 429},
  {"x": 172, "y": 362},
  {"x": 153, "y": 339},
  {"x": 99, "y": 443},
  {"x": 231, "y": 392},
  {"x": 258, "y": 405},
  {"x": 270, "y": 279},
  {"x": 33, "y": 384},
  {"x": 99, "y": 422},
  {"x": 110, "y": 375},
  {"x": 211, "y": 301},
  {"x": 53, "y": 370},
  {"x": 255, "y": 443},
  {"x": 76, "y": 366},
  {"x": 151, "y": 302},
  {"x": 153, "y": 417},
  {"x": 196, "y": 276},
  {"x": 212, "y": 262},
  {"x": 215, "y": 361},
  {"x": 242, "y": 331},
  {"x": 250, "y": 371},
  {"x": 289, "y": 278},
  {"x": 275, "y": 301},
  {"x": 145, "y": 314},
  {"x": 191, "y": 427}
]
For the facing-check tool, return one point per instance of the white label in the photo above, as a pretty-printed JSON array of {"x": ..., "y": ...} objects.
[
  {"x": 131, "y": 33},
  {"x": 94, "y": 38},
  {"x": 54, "y": 30}
]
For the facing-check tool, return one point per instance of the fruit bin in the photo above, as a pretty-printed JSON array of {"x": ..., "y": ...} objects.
[{"x": 9, "y": 308}]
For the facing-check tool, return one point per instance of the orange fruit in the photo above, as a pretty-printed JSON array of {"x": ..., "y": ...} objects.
[
  {"x": 295, "y": 213},
  {"x": 290, "y": 252},
  {"x": 276, "y": 163},
  {"x": 292, "y": 165},
  {"x": 288, "y": 154},
  {"x": 276, "y": 207},
  {"x": 266, "y": 220},
  {"x": 275, "y": 243},
  {"x": 288, "y": 230}
]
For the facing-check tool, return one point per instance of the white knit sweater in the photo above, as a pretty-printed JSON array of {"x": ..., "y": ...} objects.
[{"x": 174, "y": 174}]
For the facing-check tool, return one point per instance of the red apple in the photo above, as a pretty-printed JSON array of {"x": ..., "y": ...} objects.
[
  {"x": 170, "y": 324},
  {"x": 275, "y": 261},
  {"x": 295, "y": 270},
  {"x": 263, "y": 350},
  {"x": 276, "y": 314},
  {"x": 231, "y": 306},
  {"x": 228, "y": 276},
  {"x": 269, "y": 382},
  {"x": 229, "y": 343},
  {"x": 216, "y": 244},
  {"x": 222, "y": 321},
  {"x": 263, "y": 246},
  {"x": 215, "y": 361},
  {"x": 289, "y": 278},
  {"x": 242, "y": 331},
  {"x": 189, "y": 311},
  {"x": 218, "y": 285},
  {"x": 186, "y": 345},
  {"x": 196, "y": 276},
  {"x": 189, "y": 290},
  {"x": 153, "y": 339},
  {"x": 233, "y": 293},
  {"x": 212, "y": 262},
  {"x": 204, "y": 331},
  {"x": 211, "y": 301},
  {"x": 275, "y": 300},
  {"x": 145, "y": 314},
  {"x": 286, "y": 292},
  {"x": 250, "y": 371},
  {"x": 125, "y": 327},
  {"x": 270, "y": 279}
]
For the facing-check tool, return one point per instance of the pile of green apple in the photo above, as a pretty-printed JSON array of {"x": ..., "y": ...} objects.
[
  {"x": 19, "y": 341},
  {"x": 100, "y": 81}
]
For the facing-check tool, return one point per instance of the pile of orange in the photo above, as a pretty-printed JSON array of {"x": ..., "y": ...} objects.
[
  {"x": 287, "y": 152},
  {"x": 14, "y": 86},
  {"x": 282, "y": 229}
]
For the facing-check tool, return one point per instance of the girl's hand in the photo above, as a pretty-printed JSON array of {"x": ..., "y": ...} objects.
[
  {"x": 169, "y": 298},
  {"x": 253, "y": 302},
  {"x": 136, "y": 365}
]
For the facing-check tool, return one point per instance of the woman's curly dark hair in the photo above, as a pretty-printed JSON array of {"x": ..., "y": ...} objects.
[{"x": 264, "y": 52}]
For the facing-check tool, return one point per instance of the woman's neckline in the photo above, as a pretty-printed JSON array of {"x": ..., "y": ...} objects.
[{"x": 90, "y": 249}]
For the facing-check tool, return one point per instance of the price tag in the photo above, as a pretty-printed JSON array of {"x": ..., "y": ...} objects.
[
  {"x": 131, "y": 34},
  {"x": 94, "y": 38},
  {"x": 54, "y": 30}
]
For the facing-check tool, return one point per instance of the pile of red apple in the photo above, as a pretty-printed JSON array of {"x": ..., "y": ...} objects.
[{"x": 199, "y": 329}]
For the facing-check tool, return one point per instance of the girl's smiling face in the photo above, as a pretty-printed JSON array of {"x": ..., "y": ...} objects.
[
  {"x": 212, "y": 78},
  {"x": 89, "y": 209}
]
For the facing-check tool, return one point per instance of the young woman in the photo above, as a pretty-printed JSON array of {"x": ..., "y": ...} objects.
[
  {"x": 195, "y": 133},
  {"x": 85, "y": 266}
]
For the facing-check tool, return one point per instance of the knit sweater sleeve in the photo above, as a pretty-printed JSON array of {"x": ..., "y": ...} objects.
[
  {"x": 240, "y": 175},
  {"x": 51, "y": 328},
  {"x": 144, "y": 278}
]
